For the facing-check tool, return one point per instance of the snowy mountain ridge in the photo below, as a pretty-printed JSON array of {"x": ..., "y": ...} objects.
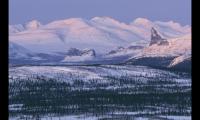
[{"x": 101, "y": 40}]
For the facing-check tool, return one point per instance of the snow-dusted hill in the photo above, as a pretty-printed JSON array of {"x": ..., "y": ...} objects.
[{"x": 99, "y": 33}]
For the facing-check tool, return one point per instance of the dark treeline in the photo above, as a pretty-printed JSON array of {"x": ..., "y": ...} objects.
[{"x": 49, "y": 96}]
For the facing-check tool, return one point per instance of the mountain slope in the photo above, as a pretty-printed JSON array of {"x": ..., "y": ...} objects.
[
  {"x": 175, "y": 54},
  {"x": 101, "y": 40},
  {"x": 16, "y": 51},
  {"x": 177, "y": 46}
]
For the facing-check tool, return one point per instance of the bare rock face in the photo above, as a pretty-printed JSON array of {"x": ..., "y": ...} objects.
[
  {"x": 77, "y": 52},
  {"x": 157, "y": 39},
  {"x": 74, "y": 52},
  {"x": 89, "y": 52}
]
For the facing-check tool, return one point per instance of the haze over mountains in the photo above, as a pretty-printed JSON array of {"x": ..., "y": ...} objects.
[{"x": 98, "y": 39}]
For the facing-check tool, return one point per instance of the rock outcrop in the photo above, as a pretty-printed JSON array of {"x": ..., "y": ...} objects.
[
  {"x": 77, "y": 52},
  {"x": 156, "y": 38},
  {"x": 89, "y": 52},
  {"x": 76, "y": 55}
]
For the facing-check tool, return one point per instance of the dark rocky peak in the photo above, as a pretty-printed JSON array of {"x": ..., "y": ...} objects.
[
  {"x": 156, "y": 38},
  {"x": 154, "y": 34}
]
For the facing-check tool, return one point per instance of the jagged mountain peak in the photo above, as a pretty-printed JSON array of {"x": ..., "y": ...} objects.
[
  {"x": 156, "y": 38},
  {"x": 176, "y": 47},
  {"x": 154, "y": 34}
]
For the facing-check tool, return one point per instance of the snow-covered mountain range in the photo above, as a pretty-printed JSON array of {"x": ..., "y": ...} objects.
[
  {"x": 99, "y": 39},
  {"x": 99, "y": 33}
]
